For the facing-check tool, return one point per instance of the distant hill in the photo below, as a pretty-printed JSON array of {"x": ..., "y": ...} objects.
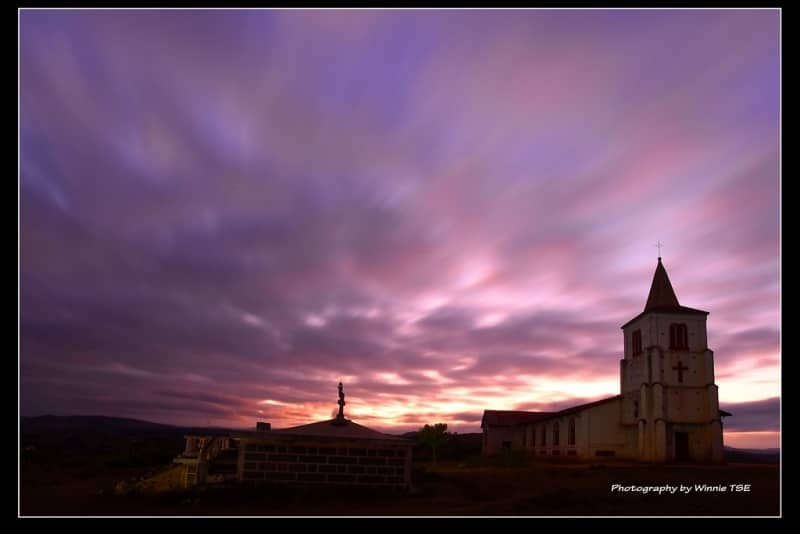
[
  {"x": 92, "y": 444},
  {"x": 755, "y": 456},
  {"x": 60, "y": 423},
  {"x": 757, "y": 451}
]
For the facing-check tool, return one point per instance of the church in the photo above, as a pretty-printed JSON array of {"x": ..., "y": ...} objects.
[{"x": 667, "y": 409}]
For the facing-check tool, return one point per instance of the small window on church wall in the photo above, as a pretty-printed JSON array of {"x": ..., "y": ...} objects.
[
  {"x": 571, "y": 432},
  {"x": 543, "y": 437},
  {"x": 636, "y": 342},
  {"x": 678, "y": 338},
  {"x": 555, "y": 433}
]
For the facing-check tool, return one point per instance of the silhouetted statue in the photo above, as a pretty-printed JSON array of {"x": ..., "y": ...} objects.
[{"x": 341, "y": 402}]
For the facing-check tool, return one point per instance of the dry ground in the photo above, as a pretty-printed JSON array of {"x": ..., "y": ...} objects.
[{"x": 471, "y": 488}]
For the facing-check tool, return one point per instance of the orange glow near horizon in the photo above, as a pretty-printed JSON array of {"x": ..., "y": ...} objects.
[
  {"x": 752, "y": 440},
  {"x": 461, "y": 407}
]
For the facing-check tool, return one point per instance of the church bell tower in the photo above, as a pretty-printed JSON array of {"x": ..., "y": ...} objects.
[{"x": 670, "y": 407}]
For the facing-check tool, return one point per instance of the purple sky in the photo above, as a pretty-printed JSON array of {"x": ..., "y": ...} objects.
[{"x": 225, "y": 213}]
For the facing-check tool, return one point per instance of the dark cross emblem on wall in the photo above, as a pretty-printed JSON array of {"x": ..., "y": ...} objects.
[{"x": 680, "y": 368}]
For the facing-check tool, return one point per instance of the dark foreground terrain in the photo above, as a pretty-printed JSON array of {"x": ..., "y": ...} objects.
[{"x": 72, "y": 471}]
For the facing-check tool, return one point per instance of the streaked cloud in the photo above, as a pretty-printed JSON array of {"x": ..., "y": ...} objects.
[{"x": 224, "y": 214}]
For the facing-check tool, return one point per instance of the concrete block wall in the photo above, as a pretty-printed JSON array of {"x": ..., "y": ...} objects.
[{"x": 325, "y": 464}]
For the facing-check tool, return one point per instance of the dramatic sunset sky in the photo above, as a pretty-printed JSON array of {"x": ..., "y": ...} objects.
[{"x": 225, "y": 213}]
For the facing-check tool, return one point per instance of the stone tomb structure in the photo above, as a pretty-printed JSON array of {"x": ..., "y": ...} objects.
[{"x": 336, "y": 452}]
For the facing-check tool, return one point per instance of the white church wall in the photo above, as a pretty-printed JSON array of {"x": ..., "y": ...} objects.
[
  {"x": 717, "y": 449},
  {"x": 688, "y": 405},
  {"x": 708, "y": 366},
  {"x": 631, "y": 435},
  {"x": 596, "y": 429},
  {"x": 605, "y": 432},
  {"x": 630, "y": 409},
  {"x": 700, "y": 443},
  {"x": 702, "y": 335},
  {"x": 541, "y": 430},
  {"x": 497, "y": 436}
]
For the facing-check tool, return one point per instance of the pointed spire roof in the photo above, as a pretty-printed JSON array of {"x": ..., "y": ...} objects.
[{"x": 661, "y": 296}]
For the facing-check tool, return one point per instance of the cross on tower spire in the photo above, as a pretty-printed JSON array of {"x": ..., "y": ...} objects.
[{"x": 659, "y": 245}]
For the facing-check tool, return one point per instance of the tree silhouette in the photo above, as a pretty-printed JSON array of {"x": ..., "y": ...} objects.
[{"x": 433, "y": 435}]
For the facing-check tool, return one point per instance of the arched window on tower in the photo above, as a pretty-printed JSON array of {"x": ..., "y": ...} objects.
[
  {"x": 678, "y": 336},
  {"x": 636, "y": 342},
  {"x": 571, "y": 432},
  {"x": 543, "y": 437},
  {"x": 555, "y": 433}
]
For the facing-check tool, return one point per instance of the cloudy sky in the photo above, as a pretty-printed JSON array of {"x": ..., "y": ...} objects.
[{"x": 224, "y": 214}]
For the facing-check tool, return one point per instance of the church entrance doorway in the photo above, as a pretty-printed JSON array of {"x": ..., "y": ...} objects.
[{"x": 681, "y": 446}]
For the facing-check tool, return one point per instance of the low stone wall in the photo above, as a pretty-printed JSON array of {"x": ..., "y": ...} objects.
[{"x": 314, "y": 463}]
